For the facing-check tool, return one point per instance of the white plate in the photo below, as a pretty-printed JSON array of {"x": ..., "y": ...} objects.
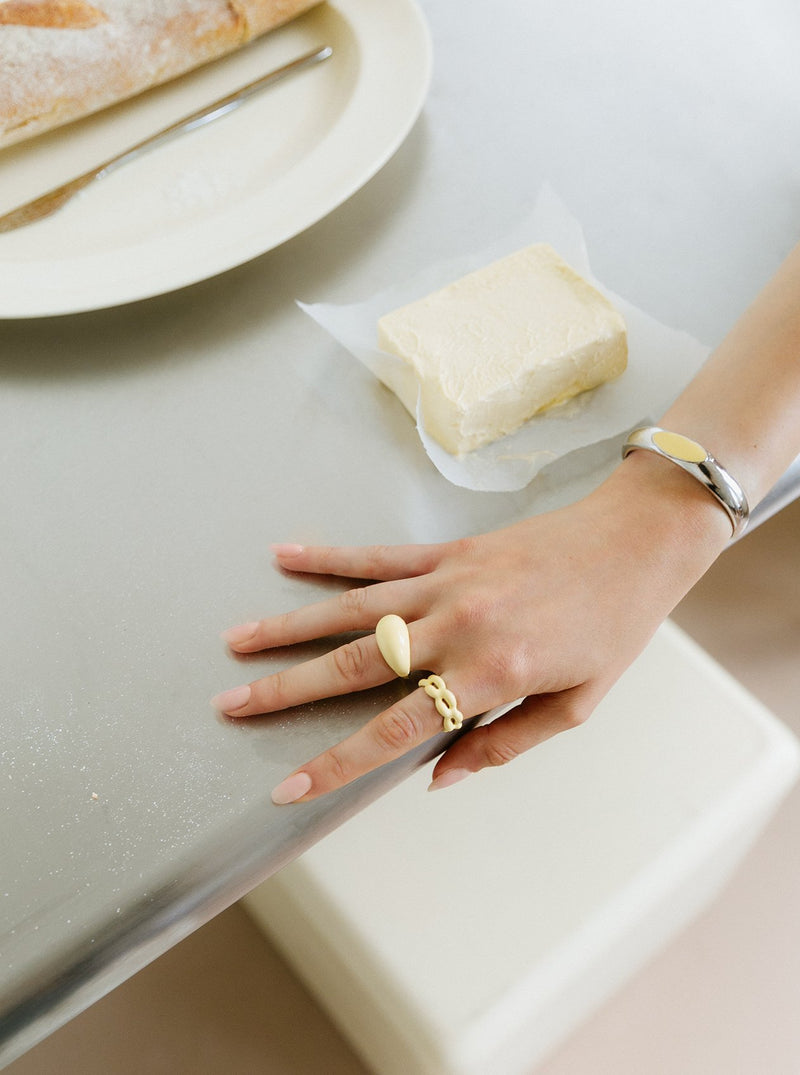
[{"x": 218, "y": 196}]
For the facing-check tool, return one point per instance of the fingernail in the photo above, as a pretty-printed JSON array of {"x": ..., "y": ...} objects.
[
  {"x": 291, "y": 789},
  {"x": 235, "y": 636},
  {"x": 232, "y": 699},
  {"x": 446, "y": 780},
  {"x": 287, "y": 550}
]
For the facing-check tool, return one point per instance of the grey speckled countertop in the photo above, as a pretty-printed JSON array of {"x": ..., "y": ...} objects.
[{"x": 149, "y": 454}]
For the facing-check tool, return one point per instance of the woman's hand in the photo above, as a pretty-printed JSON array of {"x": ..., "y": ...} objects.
[{"x": 552, "y": 610}]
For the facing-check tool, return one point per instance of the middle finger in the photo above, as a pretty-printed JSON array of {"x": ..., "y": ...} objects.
[{"x": 358, "y": 665}]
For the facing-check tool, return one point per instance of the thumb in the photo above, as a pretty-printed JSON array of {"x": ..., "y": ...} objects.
[{"x": 534, "y": 720}]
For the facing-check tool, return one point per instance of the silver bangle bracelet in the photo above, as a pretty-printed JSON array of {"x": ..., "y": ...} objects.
[{"x": 695, "y": 460}]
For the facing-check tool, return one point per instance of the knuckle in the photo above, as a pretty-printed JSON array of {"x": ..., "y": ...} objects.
[
  {"x": 505, "y": 670},
  {"x": 286, "y": 627},
  {"x": 338, "y": 767},
  {"x": 325, "y": 555},
  {"x": 497, "y": 668},
  {"x": 516, "y": 667},
  {"x": 565, "y": 710},
  {"x": 376, "y": 556},
  {"x": 398, "y": 729},
  {"x": 351, "y": 661},
  {"x": 573, "y": 716},
  {"x": 429, "y": 557},
  {"x": 469, "y": 611},
  {"x": 353, "y": 601},
  {"x": 278, "y": 689},
  {"x": 465, "y": 548},
  {"x": 499, "y": 751}
]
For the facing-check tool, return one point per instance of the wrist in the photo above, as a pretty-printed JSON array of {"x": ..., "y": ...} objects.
[
  {"x": 697, "y": 461},
  {"x": 664, "y": 514}
]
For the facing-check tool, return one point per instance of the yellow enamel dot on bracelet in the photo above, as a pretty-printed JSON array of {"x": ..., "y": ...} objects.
[
  {"x": 681, "y": 447},
  {"x": 391, "y": 634},
  {"x": 700, "y": 463}
]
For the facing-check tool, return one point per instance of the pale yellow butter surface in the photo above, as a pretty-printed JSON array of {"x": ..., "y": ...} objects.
[{"x": 500, "y": 345}]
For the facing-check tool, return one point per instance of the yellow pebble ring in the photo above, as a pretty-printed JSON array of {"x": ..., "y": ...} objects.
[{"x": 391, "y": 634}]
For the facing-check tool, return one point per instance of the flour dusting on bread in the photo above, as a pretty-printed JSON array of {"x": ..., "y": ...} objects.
[
  {"x": 62, "y": 59},
  {"x": 50, "y": 14}
]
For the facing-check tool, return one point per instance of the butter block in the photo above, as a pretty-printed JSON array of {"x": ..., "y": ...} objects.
[{"x": 502, "y": 344}]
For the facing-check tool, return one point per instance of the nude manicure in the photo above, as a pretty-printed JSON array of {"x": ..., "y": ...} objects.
[
  {"x": 446, "y": 780},
  {"x": 232, "y": 699},
  {"x": 291, "y": 789},
  {"x": 286, "y": 550},
  {"x": 237, "y": 636}
]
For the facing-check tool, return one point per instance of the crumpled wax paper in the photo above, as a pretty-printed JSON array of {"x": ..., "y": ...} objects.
[{"x": 661, "y": 361}]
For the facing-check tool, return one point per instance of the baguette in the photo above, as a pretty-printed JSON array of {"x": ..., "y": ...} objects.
[{"x": 63, "y": 59}]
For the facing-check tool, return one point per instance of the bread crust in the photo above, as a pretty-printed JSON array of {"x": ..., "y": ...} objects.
[
  {"x": 54, "y": 14},
  {"x": 63, "y": 59}
]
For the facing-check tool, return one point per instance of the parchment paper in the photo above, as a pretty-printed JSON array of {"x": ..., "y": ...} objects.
[{"x": 661, "y": 361}]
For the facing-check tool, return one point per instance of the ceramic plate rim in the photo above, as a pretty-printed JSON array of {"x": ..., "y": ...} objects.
[{"x": 360, "y": 142}]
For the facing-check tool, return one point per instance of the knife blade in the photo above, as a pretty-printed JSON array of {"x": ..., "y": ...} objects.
[{"x": 53, "y": 200}]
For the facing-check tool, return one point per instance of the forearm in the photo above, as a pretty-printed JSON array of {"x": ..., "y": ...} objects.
[{"x": 744, "y": 405}]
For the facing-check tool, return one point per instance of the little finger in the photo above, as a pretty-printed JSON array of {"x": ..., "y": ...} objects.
[{"x": 378, "y": 562}]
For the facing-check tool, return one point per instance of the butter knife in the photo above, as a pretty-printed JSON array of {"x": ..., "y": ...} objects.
[{"x": 49, "y": 203}]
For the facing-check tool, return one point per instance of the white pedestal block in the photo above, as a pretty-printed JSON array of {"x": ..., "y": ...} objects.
[{"x": 467, "y": 932}]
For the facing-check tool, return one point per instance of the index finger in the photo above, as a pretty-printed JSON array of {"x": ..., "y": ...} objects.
[{"x": 378, "y": 562}]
